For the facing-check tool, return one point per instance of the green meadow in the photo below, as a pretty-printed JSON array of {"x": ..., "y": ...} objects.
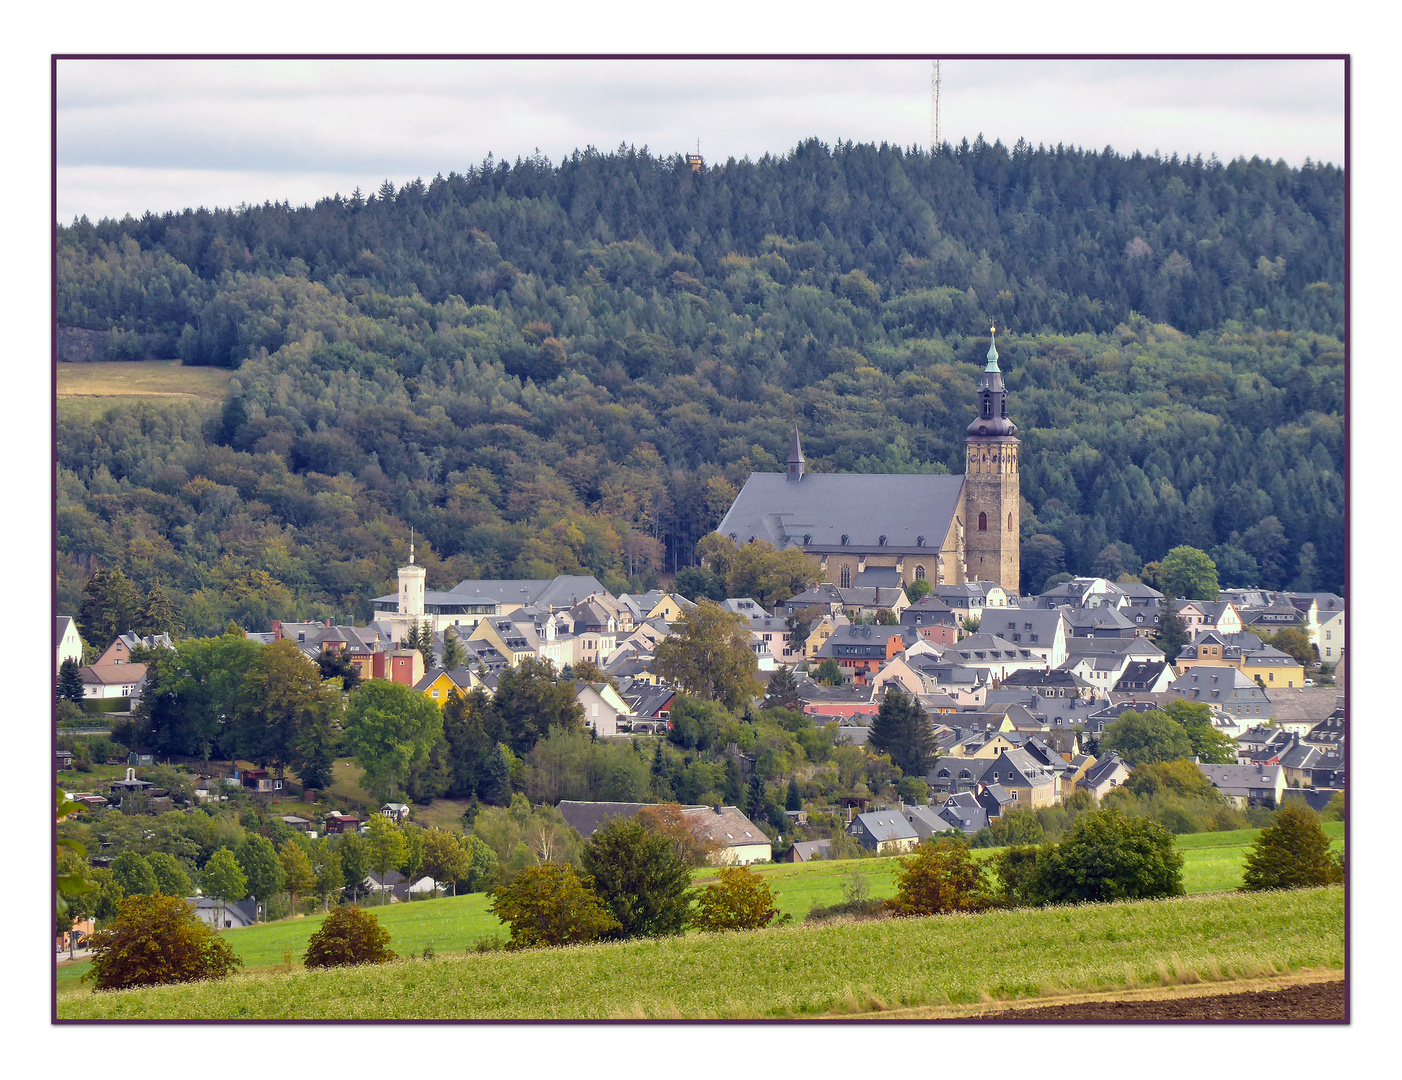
[
  {"x": 1212, "y": 863},
  {"x": 826, "y": 969}
]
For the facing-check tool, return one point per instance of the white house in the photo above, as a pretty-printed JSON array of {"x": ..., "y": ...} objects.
[
  {"x": 602, "y": 706},
  {"x": 67, "y": 644}
]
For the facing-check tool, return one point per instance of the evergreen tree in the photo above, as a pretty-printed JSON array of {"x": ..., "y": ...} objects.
[
  {"x": 157, "y": 614},
  {"x": 70, "y": 681},
  {"x": 756, "y": 801},
  {"x": 903, "y": 729},
  {"x": 495, "y": 785},
  {"x": 783, "y": 689},
  {"x": 1291, "y": 853},
  {"x": 1171, "y": 635},
  {"x": 110, "y": 607},
  {"x": 454, "y": 655},
  {"x": 794, "y": 798}
]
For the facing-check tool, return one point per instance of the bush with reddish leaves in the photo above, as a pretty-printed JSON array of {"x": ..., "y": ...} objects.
[
  {"x": 154, "y": 940},
  {"x": 348, "y": 936}
]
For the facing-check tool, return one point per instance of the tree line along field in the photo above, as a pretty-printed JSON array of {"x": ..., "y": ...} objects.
[
  {"x": 450, "y": 925},
  {"x": 794, "y": 971}
]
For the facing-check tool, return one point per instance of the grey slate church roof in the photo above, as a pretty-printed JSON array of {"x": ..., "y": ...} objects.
[{"x": 861, "y": 506}]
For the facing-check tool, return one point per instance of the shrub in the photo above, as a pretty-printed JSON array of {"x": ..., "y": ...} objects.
[
  {"x": 1292, "y": 853},
  {"x": 1016, "y": 868},
  {"x": 1108, "y": 856},
  {"x": 348, "y": 936},
  {"x": 154, "y": 940},
  {"x": 740, "y": 900},
  {"x": 938, "y": 879},
  {"x": 855, "y": 909},
  {"x": 550, "y": 904}
]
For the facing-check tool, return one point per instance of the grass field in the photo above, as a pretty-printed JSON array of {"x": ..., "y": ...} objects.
[
  {"x": 89, "y": 390},
  {"x": 1212, "y": 863},
  {"x": 794, "y": 971}
]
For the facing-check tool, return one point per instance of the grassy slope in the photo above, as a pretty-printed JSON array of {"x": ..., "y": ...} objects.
[
  {"x": 1212, "y": 863},
  {"x": 805, "y": 970},
  {"x": 89, "y": 390}
]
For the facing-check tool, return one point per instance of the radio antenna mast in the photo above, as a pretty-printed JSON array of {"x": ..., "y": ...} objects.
[{"x": 934, "y": 107}]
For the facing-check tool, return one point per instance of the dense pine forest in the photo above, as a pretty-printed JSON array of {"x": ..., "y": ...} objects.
[{"x": 571, "y": 368}]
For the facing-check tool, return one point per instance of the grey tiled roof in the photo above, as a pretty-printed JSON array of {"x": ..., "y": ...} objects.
[
  {"x": 886, "y": 825},
  {"x": 827, "y": 506}
]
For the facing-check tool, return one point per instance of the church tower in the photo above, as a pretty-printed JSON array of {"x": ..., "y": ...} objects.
[
  {"x": 411, "y": 586},
  {"x": 992, "y": 494}
]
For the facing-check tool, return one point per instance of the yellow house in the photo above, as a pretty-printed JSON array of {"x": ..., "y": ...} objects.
[
  {"x": 1263, "y": 664},
  {"x": 822, "y": 630},
  {"x": 1272, "y": 668},
  {"x": 670, "y": 608},
  {"x": 438, "y": 684},
  {"x": 512, "y": 640}
]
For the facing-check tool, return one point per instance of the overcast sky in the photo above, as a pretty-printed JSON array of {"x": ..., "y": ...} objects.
[{"x": 136, "y": 135}]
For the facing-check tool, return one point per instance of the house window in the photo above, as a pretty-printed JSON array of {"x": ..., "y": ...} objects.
[{"x": 982, "y": 522}]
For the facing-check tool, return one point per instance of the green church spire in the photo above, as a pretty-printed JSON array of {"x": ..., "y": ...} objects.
[{"x": 992, "y": 352}]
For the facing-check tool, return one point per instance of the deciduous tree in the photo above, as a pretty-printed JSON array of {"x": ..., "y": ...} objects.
[
  {"x": 388, "y": 727},
  {"x": 259, "y": 863},
  {"x": 348, "y": 936},
  {"x": 156, "y": 940},
  {"x": 1141, "y": 738},
  {"x": 170, "y": 875},
  {"x": 739, "y": 900},
  {"x": 386, "y": 846},
  {"x": 550, "y": 904},
  {"x": 710, "y": 656},
  {"x": 941, "y": 877},
  {"x": 299, "y": 876},
  {"x": 223, "y": 879},
  {"x": 134, "y": 874},
  {"x": 1108, "y": 856},
  {"x": 1188, "y": 573}
]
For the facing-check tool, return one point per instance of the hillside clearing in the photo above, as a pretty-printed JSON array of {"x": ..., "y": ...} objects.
[{"x": 91, "y": 389}]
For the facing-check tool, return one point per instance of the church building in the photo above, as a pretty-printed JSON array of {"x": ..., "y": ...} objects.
[{"x": 880, "y": 529}]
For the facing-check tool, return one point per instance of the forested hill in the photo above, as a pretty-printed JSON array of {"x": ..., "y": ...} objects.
[{"x": 572, "y": 367}]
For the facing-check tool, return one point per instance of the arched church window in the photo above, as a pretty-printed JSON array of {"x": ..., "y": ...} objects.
[
  {"x": 846, "y": 578},
  {"x": 987, "y": 407},
  {"x": 919, "y": 573},
  {"x": 982, "y": 522}
]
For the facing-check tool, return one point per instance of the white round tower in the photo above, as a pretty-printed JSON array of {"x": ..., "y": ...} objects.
[{"x": 411, "y": 586}]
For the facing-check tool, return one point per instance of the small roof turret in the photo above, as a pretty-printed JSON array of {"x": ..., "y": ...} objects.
[
  {"x": 992, "y": 421},
  {"x": 795, "y": 462}
]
